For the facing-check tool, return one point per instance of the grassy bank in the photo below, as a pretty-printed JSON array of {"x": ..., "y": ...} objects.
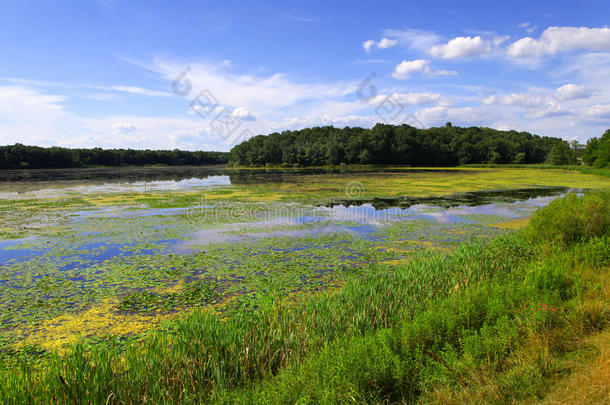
[{"x": 493, "y": 322}]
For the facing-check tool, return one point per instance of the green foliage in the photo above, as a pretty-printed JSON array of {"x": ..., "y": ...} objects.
[
  {"x": 20, "y": 156},
  {"x": 572, "y": 219},
  {"x": 561, "y": 154},
  {"x": 595, "y": 253},
  {"x": 597, "y": 151},
  {"x": 399, "y": 145}
]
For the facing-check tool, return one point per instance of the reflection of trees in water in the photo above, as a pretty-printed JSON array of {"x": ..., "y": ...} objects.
[
  {"x": 124, "y": 174},
  {"x": 470, "y": 199}
]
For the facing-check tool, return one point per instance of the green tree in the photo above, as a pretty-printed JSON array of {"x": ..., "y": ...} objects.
[{"x": 561, "y": 154}]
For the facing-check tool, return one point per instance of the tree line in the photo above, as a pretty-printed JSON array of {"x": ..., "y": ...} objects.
[
  {"x": 20, "y": 156},
  {"x": 597, "y": 151},
  {"x": 400, "y": 145}
]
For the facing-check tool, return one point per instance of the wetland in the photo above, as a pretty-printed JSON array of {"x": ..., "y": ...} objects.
[
  {"x": 112, "y": 258},
  {"x": 96, "y": 252}
]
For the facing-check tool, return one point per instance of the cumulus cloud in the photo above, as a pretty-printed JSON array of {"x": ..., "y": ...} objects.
[
  {"x": 543, "y": 102},
  {"x": 243, "y": 114},
  {"x": 536, "y": 105},
  {"x": 561, "y": 39},
  {"x": 460, "y": 47},
  {"x": 405, "y": 69},
  {"x": 573, "y": 91},
  {"x": 383, "y": 44}
]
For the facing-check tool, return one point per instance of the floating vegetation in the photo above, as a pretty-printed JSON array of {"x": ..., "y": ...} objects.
[{"x": 195, "y": 293}]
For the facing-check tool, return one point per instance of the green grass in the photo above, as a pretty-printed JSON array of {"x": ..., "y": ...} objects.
[{"x": 489, "y": 322}]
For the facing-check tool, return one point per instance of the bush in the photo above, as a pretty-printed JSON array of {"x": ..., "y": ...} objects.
[{"x": 571, "y": 219}]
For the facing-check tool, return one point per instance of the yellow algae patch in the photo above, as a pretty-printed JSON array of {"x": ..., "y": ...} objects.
[
  {"x": 101, "y": 319},
  {"x": 513, "y": 224}
]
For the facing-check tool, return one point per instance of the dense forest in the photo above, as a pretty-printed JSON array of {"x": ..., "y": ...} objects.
[
  {"x": 33, "y": 157},
  {"x": 597, "y": 152},
  {"x": 401, "y": 144}
]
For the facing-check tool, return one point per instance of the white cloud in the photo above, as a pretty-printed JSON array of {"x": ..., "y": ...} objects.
[
  {"x": 121, "y": 128},
  {"x": 432, "y": 115},
  {"x": 269, "y": 94},
  {"x": 134, "y": 90},
  {"x": 572, "y": 91},
  {"x": 383, "y": 44},
  {"x": 543, "y": 102},
  {"x": 499, "y": 40},
  {"x": 367, "y": 45},
  {"x": 29, "y": 116},
  {"x": 597, "y": 111},
  {"x": 524, "y": 99},
  {"x": 536, "y": 105},
  {"x": 405, "y": 69},
  {"x": 305, "y": 18},
  {"x": 460, "y": 47},
  {"x": 243, "y": 114},
  {"x": 493, "y": 99},
  {"x": 192, "y": 140},
  {"x": 561, "y": 39},
  {"x": 386, "y": 43},
  {"x": 527, "y": 26},
  {"x": 419, "y": 40},
  {"x": 551, "y": 109},
  {"x": 24, "y": 101}
]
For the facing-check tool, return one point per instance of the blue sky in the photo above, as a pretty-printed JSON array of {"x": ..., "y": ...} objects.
[{"x": 100, "y": 72}]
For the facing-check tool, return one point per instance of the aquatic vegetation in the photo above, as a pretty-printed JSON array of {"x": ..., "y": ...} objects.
[
  {"x": 512, "y": 224},
  {"x": 100, "y": 320},
  {"x": 195, "y": 293}
]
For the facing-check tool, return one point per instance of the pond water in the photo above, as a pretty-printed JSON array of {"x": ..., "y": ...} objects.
[{"x": 73, "y": 239}]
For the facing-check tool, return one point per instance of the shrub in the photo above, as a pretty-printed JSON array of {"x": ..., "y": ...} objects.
[{"x": 571, "y": 219}]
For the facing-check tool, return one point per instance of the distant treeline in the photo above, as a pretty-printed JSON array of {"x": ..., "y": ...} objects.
[
  {"x": 597, "y": 152},
  {"x": 33, "y": 157},
  {"x": 400, "y": 145}
]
